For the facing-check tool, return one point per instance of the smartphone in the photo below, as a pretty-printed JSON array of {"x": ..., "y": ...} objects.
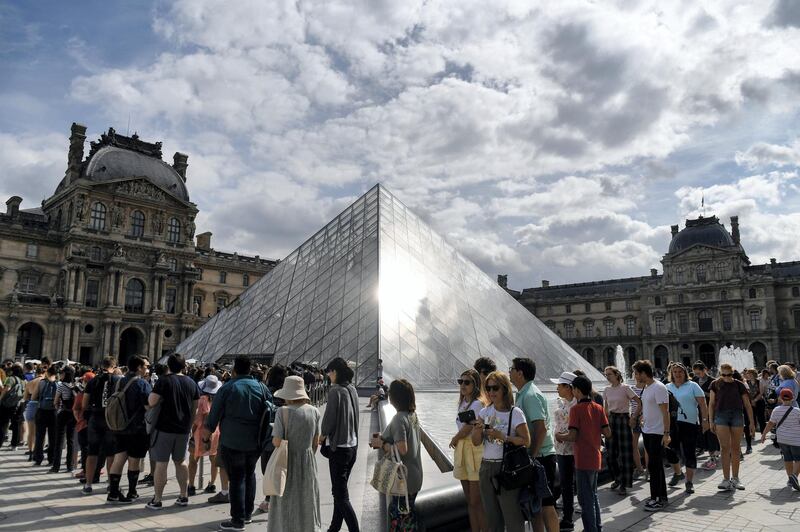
[{"x": 466, "y": 417}]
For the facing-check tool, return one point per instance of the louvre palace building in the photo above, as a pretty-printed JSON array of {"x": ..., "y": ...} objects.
[
  {"x": 708, "y": 296},
  {"x": 109, "y": 264}
]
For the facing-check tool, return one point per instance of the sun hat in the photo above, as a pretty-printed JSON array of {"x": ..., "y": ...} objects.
[
  {"x": 210, "y": 385},
  {"x": 293, "y": 389},
  {"x": 565, "y": 378},
  {"x": 787, "y": 394}
]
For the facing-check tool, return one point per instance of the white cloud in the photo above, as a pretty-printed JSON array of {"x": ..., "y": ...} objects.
[{"x": 762, "y": 154}]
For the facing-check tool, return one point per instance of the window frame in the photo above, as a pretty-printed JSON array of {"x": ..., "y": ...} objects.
[
  {"x": 97, "y": 216},
  {"x": 134, "y": 306},
  {"x": 137, "y": 223},
  {"x": 92, "y": 299},
  {"x": 174, "y": 230}
]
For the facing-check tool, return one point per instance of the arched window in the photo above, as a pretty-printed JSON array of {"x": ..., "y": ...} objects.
[
  {"x": 700, "y": 273},
  {"x": 173, "y": 230},
  {"x": 245, "y": 280},
  {"x": 137, "y": 223},
  {"x": 705, "y": 321},
  {"x": 98, "y": 220},
  {"x": 134, "y": 296}
]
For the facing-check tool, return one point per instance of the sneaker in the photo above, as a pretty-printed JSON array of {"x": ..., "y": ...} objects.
[
  {"x": 87, "y": 490},
  {"x": 118, "y": 499},
  {"x": 655, "y": 506},
  {"x": 689, "y": 487},
  {"x": 248, "y": 520},
  {"x": 219, "y": 498},
  {"x": 230, "y": 525},
  {"x": 646, "y": 476},
  {"x": 52, "y": 470},
  {"x": 736, "y": 483},
  {"x": 132, "y": 495},
  {"x": 623, "y": 491},
  {"x": 147, "y": 479},
  {"x": 153, "y": 505},
  {"x": 182, "y": 501},
  {"x": 749, "y": 450},
  {"x": 566, "y": 525},
  {"x": 615, "y": 485},
  {"x": 211, "y": 488},
  {"x": 699, "y": 452},
  {"x": 725, "y": 485},
  {"x": 191, "y": 491},
  {"x": 676, "y": 479},
  {"x": 793, "y": 482}
]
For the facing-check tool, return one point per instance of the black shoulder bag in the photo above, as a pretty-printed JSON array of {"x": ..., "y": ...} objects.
[
  {"x": 775, "y": 441},
  {"x": 517, "y": 469}
]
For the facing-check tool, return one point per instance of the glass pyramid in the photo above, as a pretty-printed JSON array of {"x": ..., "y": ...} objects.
[{"x": 378, "y": 287}]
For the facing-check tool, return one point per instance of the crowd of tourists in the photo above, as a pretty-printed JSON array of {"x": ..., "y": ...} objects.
[{"x": 135, "y": 418}]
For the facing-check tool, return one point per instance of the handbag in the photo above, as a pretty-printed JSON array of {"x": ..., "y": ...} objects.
[
  {"x": 326, "y": 450},
  {"x": 275, "y": 473},
  {"x": 389, "y": 477},
  {"x": 516, "y": 470}
]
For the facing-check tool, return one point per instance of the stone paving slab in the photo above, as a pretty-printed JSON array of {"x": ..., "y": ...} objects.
[{"x": 32, "y": 499}]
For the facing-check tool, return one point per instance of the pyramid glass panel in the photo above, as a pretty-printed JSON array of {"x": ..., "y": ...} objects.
[{"x": 378, "y": 287}]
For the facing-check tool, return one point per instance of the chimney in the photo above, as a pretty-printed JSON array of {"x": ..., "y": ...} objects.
[
  {"x": 204, "y": 241},
  {"x": 674, "y": 229},
  {"x": 653, "y": 272},
  {"x": 773, "y": 261},
  {"x": 12, "y": 206},
  {"x": 545, "y": 283},
  {"x": 502, "y": 280},
  {"x": 180, "y": 161},
  {"x": 75, "y": 157},
  {"x": 735, "y": 230}
]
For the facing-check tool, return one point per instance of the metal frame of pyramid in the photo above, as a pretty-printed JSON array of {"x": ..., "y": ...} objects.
[{"x": 378, "y": 287}]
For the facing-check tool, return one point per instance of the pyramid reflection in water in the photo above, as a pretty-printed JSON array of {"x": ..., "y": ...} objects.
[{"x": 377, "y": 285}]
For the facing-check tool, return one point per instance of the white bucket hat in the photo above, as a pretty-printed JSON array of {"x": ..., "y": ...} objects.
[
  {"x": 293, "y": 389},
  {"x": 210, "y": 385},
  {"x": 565, "y": 378}
]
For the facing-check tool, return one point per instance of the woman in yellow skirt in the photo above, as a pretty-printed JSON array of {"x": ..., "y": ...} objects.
[{"x": 467, "y": 457}]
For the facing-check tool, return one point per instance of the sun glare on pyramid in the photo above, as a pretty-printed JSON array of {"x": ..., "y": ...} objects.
[{"x": 400, "y": 290}]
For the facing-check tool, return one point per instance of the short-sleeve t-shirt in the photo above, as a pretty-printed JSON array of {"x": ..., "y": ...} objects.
[
  {"x": 135, "y": 400},
  {"x": 405, "y": 427},
  {"x": 588, "y": 418},
  {"x": 499, "y": 420},
  {"x": 618, "y": 398},
  {"x": 728, "y": 395},
  {"x": 687, "y": 395},
  {"x": 177, "y": 392},
  {"x": 654, "y": 395},
  {"x": 476, "y": 406},
  {"x": 533, "y": 404},
  {"x": 790, "y": 384},
  {"x": 789, "y": 431}
]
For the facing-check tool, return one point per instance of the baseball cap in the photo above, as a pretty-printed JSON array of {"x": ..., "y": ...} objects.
[
  {"x": 786, "y": 393},
  {"x": 565, "y": 378}
]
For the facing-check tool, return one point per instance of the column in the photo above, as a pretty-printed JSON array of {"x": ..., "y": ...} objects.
[
  {"x": 119, "y": 298},
  {"x": 159, "y": 343},
  {"x": 67, "y": 340},
  {"x": 11, "y": 338},
  {"x": 156, "y": 297},
  {"x": 76, "y": 336},
  {"x": 69, "y": 288},
  {"x": 82, "y": 286},
  {"x": 106, "y": 338},
  {"x": 162, "y": 296},
  {"x": 114, "y": 338},
  {"x": 188, "y": 302},
  {"x": 110, "y": 287},
  {"x": 151, "y": 340}
]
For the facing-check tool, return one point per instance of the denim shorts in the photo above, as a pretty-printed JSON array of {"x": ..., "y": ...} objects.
[
  {"x": 791, "y": 453},
  {"x": 729, "y": 418}
]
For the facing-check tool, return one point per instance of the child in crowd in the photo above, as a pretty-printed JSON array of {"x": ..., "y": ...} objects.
[{"x": 785, "y": 419}]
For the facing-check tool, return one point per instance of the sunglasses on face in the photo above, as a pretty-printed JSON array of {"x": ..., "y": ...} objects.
[
  {"x": 726, "y": 374},
  {"x": 493, "y": 388},
  {"x": 464, "y": 381}
]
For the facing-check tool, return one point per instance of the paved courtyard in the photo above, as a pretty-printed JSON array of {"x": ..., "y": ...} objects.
[{"x": 32, "y": 499}]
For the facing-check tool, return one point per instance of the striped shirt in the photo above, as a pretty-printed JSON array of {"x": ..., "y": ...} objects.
[
  {"x": 67, "y": 393},
  {"x": 789, "y": 431}
]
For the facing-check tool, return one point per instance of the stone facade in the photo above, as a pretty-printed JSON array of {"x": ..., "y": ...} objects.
[
  {"x": 108, "y": 263},
  {"x": 709, "y": 295}
]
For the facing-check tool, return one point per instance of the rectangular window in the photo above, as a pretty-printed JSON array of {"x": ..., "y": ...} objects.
[
  {"x": 28, "y": 284},
  {"x": 92, "y": 293},
  {"x": 568, "y": 309},
  {"x": 223, "y": 277},
  {"x": 569, "y": 330},
  {"x": 608, "y": 305},
  {"x": 630, "y": 327},
  {"x": 587, "y": 307},
  {"x": 32, "y": 251},
  {"x": 245, "y": 280},
  {"x": 658, "y": 301},
  {"x": 221, "y": 302},
  {"x": 659, "y": 321},
  {"x": 797, "y": 319},
  {"x": 170, "y": 297},
  {"x": 609, "y": 328},
  {"x": 629, "y": 304},
  {"x": 588, "y": 330},
  {"x": 755, "y": 320},
  {"x": 727, "y": 320},
  {"x": 683, "y": 323}
]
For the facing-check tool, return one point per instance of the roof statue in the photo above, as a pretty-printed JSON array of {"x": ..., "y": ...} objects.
[{"x": 379, "y": 287}]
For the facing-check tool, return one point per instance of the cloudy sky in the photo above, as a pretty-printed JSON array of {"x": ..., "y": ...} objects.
[{"x": 546, "y": 140}]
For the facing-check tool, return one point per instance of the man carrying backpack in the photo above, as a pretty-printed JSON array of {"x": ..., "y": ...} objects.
[
  {"x": 11, "y": 393},
  {"x": 46, "y": 417},
  {"x": 101, "y": 441},
  {"x": 239, "y": 409},
  {"x": 125, "y": 417}
]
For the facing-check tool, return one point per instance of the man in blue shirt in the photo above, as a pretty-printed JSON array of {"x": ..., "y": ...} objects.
[{"x": 238, "y": 409}]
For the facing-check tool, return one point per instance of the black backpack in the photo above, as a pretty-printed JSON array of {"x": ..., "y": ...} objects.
[
  {"x": 47, "y": 395},
  {"x": 674, "y": 406}
]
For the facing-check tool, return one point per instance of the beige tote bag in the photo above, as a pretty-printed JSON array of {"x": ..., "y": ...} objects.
[{"x": 275, "y": 474}]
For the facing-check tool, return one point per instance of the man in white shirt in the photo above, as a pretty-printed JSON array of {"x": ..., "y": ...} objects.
[{"x": 655, "y": 431}]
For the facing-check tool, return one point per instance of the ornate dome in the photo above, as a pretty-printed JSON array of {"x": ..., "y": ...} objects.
[
  {"x": 116, "y": 156},
  {"x": 706, "y": 231}
]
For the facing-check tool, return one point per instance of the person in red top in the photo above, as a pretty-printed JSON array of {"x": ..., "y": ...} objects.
[
  {"x": 81, "y": 423},
  {"x": 587, "y": 421}
]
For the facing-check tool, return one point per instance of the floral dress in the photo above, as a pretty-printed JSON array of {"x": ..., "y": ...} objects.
[{"x": 561, "y": 424}]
